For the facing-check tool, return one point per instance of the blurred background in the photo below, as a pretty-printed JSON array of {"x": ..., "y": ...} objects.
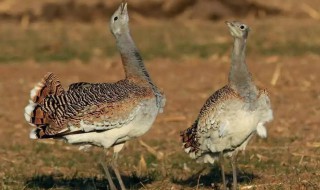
[
  {"x": 186, "y": 47},
  {"x": 77, "y": 29}
]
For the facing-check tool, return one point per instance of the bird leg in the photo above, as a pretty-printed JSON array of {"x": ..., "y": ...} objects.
[
  {"x": 221, "y": 160},
  {"x": 109, "y": 178},
  {"x": 234, "y": 170},
  {"x": 108, "y": 175},
  {"x": 114, "y": 164}
]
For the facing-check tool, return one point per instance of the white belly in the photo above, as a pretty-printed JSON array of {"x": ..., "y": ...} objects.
[
  {"x": 233, "y": 131},
  {"x": 144, "y": 120},
  {"x": 141, "y": 123}
]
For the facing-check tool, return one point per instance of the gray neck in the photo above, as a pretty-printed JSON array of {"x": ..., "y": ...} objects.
[
  {"x": 239, "y": 76},
  {"x": 131, "y": 58},
  {"x": 133, "y": 64}
]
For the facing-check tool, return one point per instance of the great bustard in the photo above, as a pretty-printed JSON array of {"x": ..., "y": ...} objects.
[
  {"x": 100, "y": 114},
  {"x": 232, "y": 115}
]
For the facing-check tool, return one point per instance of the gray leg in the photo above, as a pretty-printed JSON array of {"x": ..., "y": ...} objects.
[
  {"x": 106, "y": 171},
  {"x": 221, "y": 160},
  {"x": 114, "y": 164},
  {"x": 109, "y": 178},
  {"x": 234, "y": 170}
]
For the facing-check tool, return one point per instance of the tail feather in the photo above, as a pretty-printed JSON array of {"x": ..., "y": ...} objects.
[
  {"x": 49, "y": 85},
  {"x": 189, "y": 139},
  {"x": 34, "y": 114},
  {"x": 39, "y": 133}
]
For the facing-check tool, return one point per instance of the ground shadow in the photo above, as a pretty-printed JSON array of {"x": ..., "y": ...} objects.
[
  {"x": 50, "y": 181},
  {"x": 213, "y": 178}
]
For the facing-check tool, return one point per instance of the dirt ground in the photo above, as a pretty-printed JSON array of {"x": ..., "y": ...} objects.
[{"x": 288, "y": 159}]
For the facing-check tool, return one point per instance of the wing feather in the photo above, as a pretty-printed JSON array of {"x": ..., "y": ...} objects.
[
  {"x": 207, "y": 120},
  {"x": 86, "y": 107}
]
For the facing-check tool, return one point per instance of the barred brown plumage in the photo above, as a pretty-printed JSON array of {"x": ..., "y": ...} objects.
[
  {"x": 101, "y": 114},
  {"x": 232, "y": 115},
  {"x": 69, "y": 105},
  {"x": 189, "y": 136}
]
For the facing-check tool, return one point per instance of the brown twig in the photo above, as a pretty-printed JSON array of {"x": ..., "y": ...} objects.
[
  {"x": 256, "y": 186},
  {"x": 276, "y": 75},
  {"x": 310, "y": 11},
  {"x": 158, "y": 155},
  {"x": 308, "y": 155}
]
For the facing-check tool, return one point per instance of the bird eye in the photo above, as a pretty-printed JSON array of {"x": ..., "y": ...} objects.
[
  {"x": 115, "y": 18},
  {"x": 242, "y": 27}
]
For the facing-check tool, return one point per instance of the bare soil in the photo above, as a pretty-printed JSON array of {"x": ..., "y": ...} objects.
[
  {"x": 188, "y": 60},
  {"x": 288, "y": 159}
]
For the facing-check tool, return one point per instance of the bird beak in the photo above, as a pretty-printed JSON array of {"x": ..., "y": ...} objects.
[
  {"x": 124, "y": 8},
  {"x": 229, "y": 24},
  {"x": 232, "y": 28}
]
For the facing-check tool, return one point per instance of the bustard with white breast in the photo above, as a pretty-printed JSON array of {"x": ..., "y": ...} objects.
[
  {"x": 232, "y": 115},
  {"x": 100, "y": 114}
]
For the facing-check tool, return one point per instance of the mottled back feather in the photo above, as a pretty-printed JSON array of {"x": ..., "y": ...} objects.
[
  {"x": 130, "y": 105},
  {"x": 86, "y": 102},
  {"x": 231, "y": 116},
  {"x": 189, "y": 136},
  {"x": 210, "y": 110}
]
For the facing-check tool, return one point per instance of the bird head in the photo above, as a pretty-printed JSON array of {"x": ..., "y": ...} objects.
[
  {"x": 238, "y": 29},
  {"x": 119, "y": 22}
]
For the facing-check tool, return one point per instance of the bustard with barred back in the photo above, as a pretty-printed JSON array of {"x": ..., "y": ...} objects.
[
  {"x": 100, "y": 114},
  {"x": 232, "y": 115}
]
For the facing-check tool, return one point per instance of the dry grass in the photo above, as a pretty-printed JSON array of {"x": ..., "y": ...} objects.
[{"x": 58, "y": 41}]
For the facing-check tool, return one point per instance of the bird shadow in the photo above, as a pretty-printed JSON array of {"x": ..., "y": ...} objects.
[
  {"x": 213, "y": 179},
  {"x": 83, "y": 183}
]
